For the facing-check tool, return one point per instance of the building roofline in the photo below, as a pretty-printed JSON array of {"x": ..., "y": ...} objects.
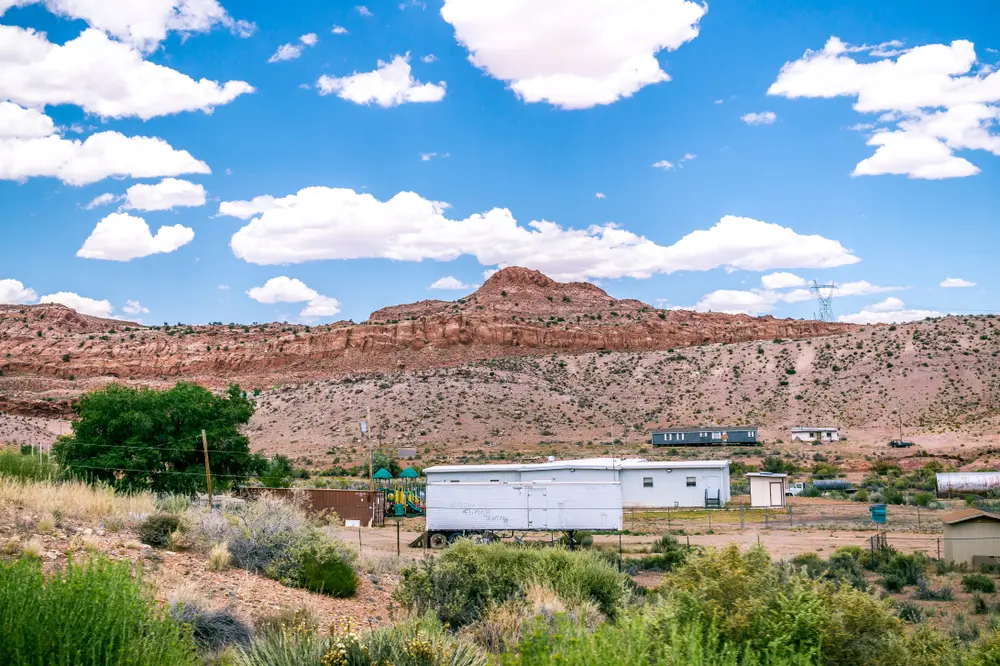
[
  {"x": 776, "y": 475},
  {"x": 709, "y": 428},
  {"x": 794, "y": 428},
  {"x": 956, "y": 517}
]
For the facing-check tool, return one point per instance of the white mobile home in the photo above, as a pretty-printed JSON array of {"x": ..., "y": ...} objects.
[
  {"x": 645, "y": 484},
  {"x": 813, "y": 433}
]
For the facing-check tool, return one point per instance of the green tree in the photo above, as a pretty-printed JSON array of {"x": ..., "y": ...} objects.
[
  {"x": 277, "y": 472},
  {"x": 148, "y": 439},
  {"x": 382, "y": 459}
]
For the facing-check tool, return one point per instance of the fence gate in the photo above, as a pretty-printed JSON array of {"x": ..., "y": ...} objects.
[{"x": 877, "y": 544}]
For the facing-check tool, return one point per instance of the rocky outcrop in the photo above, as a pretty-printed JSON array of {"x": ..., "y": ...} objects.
[{"x": 517, "y": 312}]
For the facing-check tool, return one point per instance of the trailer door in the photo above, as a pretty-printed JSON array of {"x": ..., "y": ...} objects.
[{"x": 538, "y": 504}]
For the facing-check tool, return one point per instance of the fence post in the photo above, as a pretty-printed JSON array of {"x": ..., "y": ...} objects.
[
  {"x": 939, "y": 547},
  {"x": 741, "y": 516},
  {"x": 709, "y": 521},
  {"x": 790, "y": 519},
  {"x": 633, "y": 520},
  {"x": 765, "y": 517},
  {"x": 918, "y": 516},
  {"x": 668, "y": 517},
  {"x": 397, "y": 537},
  {"x": 689, "y": 543}
]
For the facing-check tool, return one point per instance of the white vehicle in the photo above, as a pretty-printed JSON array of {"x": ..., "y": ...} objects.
[{"x": 795, "y": 489}]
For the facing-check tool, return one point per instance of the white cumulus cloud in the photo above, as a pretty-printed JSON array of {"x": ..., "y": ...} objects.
[
  {"x": 102, "y": 200},
  {"x": 364, "y": 11},
  {"x": 134, "y": 308},
  {"x": 143, "y": 23},
  {"x": 338, "y": 223},
  {"x": 663, "y": 164},
  {"x": 99, "y": 156},
  {"x": 293, "y": 51},
  {"x": 890, "y": 311},
  {"x": 391, "y": 84},
  {"x": 950, "y": 283},
  {"x": 81, "y": 304},
  {"x": 340, "y": 30},
  {"x": 600, "y": 195},
  {"x": 573, "y": 54},
  {"x": 167, "y": 194},
  {"x": 20, "y": 123},
  {"x": 763, "y": 118},
  {"x": 283, "y": 289},
  {"x": 103, "y": 76},
  {"x": 932, "y": 100},
  {"x": 13, "y": 292},
  {"x": 781, "y": 280},
  {"x": 450, "y": 282},
  {"x": 122, "y": 237},
  {"x": 732, "y": 301}
]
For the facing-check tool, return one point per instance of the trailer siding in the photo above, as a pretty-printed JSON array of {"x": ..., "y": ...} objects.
[{"x": 530, "y": 506}]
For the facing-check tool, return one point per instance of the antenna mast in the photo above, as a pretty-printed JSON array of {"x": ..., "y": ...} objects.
[{"x": 824, "y": 293}]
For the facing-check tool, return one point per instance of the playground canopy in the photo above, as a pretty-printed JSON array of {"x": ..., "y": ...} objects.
[
  {"x": 383, "y": 473},
  {"x": 409, "y": 473}
]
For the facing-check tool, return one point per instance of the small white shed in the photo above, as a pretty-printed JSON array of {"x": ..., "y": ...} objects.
[
  {"x": 813, "y": 433},
  {"x": 767, "y": 489}
]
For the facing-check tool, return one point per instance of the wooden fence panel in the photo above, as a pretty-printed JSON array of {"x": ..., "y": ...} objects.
[{"x": 368, "y": 506}]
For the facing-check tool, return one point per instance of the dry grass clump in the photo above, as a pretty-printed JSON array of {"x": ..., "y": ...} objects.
[
  {"x": 380, "y": 564},
  {"x": 74, "y": 499},
  {"x": 32, "y": 548},
  {"x": 219, "y": 557}
]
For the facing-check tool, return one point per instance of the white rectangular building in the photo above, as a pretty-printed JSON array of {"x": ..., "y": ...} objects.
[
  {"x": 813, "y": 433},
  {"x": 645, "y": 484},
  {"x": 767, "y": 489}
]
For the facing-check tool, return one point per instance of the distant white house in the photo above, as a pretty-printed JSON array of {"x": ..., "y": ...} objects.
[{"x": 812, "y": 433}]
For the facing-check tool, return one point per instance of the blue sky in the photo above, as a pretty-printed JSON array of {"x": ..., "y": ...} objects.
[{"x": 872, "y": 160}]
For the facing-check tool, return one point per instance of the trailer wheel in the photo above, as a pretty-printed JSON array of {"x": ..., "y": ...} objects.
[{"x": 438, "y": 540}]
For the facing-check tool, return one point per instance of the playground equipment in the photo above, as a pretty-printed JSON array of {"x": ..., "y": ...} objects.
[{"x": 404, "y": 498}]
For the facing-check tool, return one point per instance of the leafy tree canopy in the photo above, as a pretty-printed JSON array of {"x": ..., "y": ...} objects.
[{"x": 149, "y": 439}]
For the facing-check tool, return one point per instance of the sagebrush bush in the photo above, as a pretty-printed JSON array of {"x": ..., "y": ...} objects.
[
  {"x": 156, "y": 530},
  {"x": 324, "y": 567},
  {"x": 85, "y": 615},
  {"x": 212, "y": 629},
  {"x": 977, "y": 582},
  {"x": 465, "y": 579}
]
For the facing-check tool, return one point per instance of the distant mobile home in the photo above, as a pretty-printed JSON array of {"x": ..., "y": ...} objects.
[
  {"x": 813, "y": 433},
  {"x": 704, "y": 435},
  {"x": 645, "y": 484}
]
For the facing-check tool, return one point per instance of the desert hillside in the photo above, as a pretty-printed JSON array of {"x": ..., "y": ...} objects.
[
  {"x": 50, "y": 351},
  {"x": 939, "y": 377}
]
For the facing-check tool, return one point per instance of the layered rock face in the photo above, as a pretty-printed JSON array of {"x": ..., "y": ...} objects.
[{"x": 517, "y": 312}]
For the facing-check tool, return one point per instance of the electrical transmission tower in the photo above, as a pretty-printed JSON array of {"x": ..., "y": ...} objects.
[{"x": 824, "y": 293}]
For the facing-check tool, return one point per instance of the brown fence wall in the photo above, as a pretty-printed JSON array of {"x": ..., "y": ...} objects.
[{"x": 368, "y": 506}]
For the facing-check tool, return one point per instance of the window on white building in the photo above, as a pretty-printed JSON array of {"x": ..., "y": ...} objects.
[
  {"x": 647, "y": 482},
  {"x": 692, "y": 482},
  {"x": 716, "y": 435}
]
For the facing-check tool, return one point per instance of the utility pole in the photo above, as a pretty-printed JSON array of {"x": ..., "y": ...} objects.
[
  {"x": 371, "y": 453},
  {"x": 208, "y": 472}
]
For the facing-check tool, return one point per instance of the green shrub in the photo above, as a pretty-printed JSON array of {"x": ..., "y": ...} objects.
[
  {"x": 460, "y": 583},
  {"x": 26, "y": 466},
  {"x": 893, "y": 582},
  {"x": 979, "y": 605},
  {"x": 85, "y": 615},
  {"x": 911, "y": 612},
  {"x": 155, "y": 531},
  {"x": 325, "y": 568},
  {"x": 977, "y": 582},
  {"x": 908, "y": 568}
]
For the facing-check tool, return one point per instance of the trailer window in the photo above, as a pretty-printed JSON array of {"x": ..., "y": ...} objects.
[
  {"x": 494, "y": 480},
  {"x": 692, "y": 482},
  {"x": 647, "y": 482},
  {"x": 716, "y": 435}
]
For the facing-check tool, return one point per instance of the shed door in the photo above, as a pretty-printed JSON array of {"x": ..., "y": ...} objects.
[
  {"x": 777, "y": 493},
  {"x": 711, "y": 486},
  {"x": 537, "y": 508}
]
